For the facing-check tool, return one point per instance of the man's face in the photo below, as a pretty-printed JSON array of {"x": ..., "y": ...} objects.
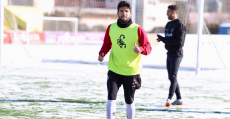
[
  {"x": 124, "y": 14},
  {"x": 170, "y": 14}
]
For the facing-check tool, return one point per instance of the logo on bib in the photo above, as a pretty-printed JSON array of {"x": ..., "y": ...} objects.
[{"x": 120, "y": 41}]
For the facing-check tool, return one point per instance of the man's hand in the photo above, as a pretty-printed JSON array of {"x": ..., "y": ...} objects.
[
  {"x": 101, "y": 58},
  {"x": 136, "y": 49},
  {"x": 160, "y": 38}
]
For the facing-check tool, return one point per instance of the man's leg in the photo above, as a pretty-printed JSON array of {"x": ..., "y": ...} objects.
[
  {"x": 131, "y": 83},
  {"x": 111, "y": 109},
  {"x": 168, "y": 64},
  {"x": 113, "y": 85},
  {"x": 130, "y": 110},
  {"x": 174, "y": 63}
]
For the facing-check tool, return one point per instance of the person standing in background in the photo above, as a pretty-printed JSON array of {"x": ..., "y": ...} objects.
[
  {"x": 175, "y": 32},
  {"x": 127, "y": 42}
]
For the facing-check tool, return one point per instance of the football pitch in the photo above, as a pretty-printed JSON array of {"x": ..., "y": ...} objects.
[{"x": 77, "y": 89}]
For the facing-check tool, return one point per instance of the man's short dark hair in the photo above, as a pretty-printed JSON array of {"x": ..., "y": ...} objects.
[
  {"x": 173, "y": 8},
  {"x": 123, "y": 4}
]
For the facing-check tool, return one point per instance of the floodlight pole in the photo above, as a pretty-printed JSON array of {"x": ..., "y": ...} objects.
[
  {"x": 133, "y": 11},
  {"x": 199, "y": 33},
  {"x": 1, "y": 28}
]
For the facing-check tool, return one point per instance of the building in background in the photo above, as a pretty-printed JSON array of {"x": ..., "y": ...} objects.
[
  {"x": 95, "y": 15},
  {"x": 47, "y": 6},
  {"x": 154, "y": 14}
]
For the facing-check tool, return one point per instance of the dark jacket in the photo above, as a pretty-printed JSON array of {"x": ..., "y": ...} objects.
[{"x": 175, "y": 32}]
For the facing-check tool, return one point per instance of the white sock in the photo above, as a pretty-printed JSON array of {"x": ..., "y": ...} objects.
[
  {"x": 130, "y": 110},
  {"x": 111, "y": 109}
]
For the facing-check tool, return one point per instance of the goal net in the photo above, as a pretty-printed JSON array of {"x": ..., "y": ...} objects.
[
  {"x": 66, "y": 28},
  {"x": 53, "y": 24},
  {"x": 211, "y": 48}
]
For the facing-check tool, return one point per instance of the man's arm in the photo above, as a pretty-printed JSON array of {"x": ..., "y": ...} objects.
[
  {"x": 107, "y": 45},
  {"x": 145, "y": 46},
  {"x": 180, "y": 35}
]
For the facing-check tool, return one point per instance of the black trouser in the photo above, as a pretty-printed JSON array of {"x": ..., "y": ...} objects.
[
  {"x": 173, "y": 63},
  {"x": 130, "y": 84}
]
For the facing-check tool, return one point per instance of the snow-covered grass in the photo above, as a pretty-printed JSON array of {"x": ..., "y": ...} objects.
[{"x": 68, "y": 82}]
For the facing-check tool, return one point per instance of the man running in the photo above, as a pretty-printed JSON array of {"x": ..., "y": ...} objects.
[{"x": 127, "y": 42}]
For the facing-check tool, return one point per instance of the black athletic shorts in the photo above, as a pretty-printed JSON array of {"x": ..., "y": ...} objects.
[{"x": 130, "y": 84}]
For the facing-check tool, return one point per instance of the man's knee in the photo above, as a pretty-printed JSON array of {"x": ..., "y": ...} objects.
[
  {"x": 129, "y": 96},
  {"x": 173, "y": 77},
  {"x": 112, "y": 96},
  {"x": 129, "y": 101}
]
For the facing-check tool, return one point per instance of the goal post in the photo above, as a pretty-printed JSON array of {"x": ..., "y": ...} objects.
[
  {"x": 53, "y": 24},
  {"x": 133, "y": 2},
  {"x": 199, "y": 33},
  {"x": 192, "y": 14},
  {"x": 1, "y": 28}
]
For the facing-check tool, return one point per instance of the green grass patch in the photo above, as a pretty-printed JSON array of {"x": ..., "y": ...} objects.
[
  {"x": 11, "y": 112},
  {"x": 44, "y": 86},
  {"x": 190, "y": 117},
  {"x": 198, "y": 88},
  {"x": 43, "y": 82},
  {"x": 81, "y": 100},
  {"x": 35, "y": 104},
  {"x": 24, "y": 77},
  {"x": 179, "y": 109}
]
